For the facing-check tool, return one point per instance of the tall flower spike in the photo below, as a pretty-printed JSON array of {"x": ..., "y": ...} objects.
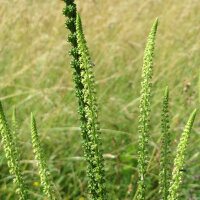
[
  {"x": 147, "y": 72},
  {"x": 165, "y": 155},
  {"x": 70, "y": 12},
  {"x": 94, "y": 156},
  {"x": 179, "y": 161},
  {"x": 39, "y": 156},
  {"x": 12, "y": 156}
]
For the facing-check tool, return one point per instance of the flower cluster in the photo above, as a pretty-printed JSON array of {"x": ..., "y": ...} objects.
[
  {"x": 39, "y": 156},
  {"x": 179, "y": 160},
  {"x": 12, "y": 156},
  {"x": 85, "y": 91},
  {"x": 145, "y": 110},
  {"x": 70, "y": 12},
  {"x": 93, "y": 153},
  {"x": 165, "y": 155}
]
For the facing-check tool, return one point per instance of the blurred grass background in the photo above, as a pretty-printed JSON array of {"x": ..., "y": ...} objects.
[{"x": 35, "y": 76}]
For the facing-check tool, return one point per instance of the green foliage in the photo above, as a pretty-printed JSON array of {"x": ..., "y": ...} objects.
[
  {"x": 147, "y": 71},
  {"x": 39, "y": 156},
  {"x": 12, "y": 156},
  {"x": 165, "y": 155},
  {"x": 93, "y": 153},
  {"x": 179, "y": 160}
]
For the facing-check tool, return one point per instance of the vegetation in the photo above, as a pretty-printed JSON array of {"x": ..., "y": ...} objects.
[{"x": 59, "y": 126}]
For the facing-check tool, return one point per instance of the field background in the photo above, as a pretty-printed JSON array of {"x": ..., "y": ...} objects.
[{"x": 35, "y": 76}]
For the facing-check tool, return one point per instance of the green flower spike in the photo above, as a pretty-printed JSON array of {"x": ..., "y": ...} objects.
[
  {"x": 165, "y": 155},
  {"x": 177, "y": 174},
  {"x": 12, "y": 156},
  {"x": 39, "y": 156},
  {"x": 147, "y": 72},
  {"x": 88, "y": 115},
  {"x": 92, "y": 141},
  {"x": 70, "y": 12}
]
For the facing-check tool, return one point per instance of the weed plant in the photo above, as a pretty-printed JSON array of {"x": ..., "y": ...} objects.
[{"x": 170, "y": 177}]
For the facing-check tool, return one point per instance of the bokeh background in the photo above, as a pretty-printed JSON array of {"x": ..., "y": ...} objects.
[{"x": 35, "y": 75}]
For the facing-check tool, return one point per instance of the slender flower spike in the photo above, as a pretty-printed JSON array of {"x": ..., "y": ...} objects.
[
  {"x": 70, "y": 12},
  {"x": 88, "y": 113},
  {"x": 94, "y": 156},
  {"x": 165, "y": 156},
  {"x": 15, "y": 130},
  {"x": 12, "y": 156},
  {"x": 39, "y": 156},
  {"x": 147, "y": 72},
  {"x": 179, "y": 161}
]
